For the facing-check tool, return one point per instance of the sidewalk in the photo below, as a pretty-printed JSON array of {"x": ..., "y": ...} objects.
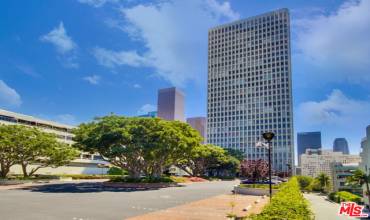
[{"x": 215, "y": 208}]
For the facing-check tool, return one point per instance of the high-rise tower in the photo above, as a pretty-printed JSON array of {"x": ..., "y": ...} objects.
[
  {"x": 250, "y": 87},
  {"x": 171, "y": 104}
]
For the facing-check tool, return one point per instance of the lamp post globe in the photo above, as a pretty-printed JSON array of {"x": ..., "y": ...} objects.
[{"x": 268, "y": 136}]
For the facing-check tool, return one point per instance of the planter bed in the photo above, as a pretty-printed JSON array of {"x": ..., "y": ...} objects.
[
  {"x": 253, "y": 191},
  {"x": 140, "y": 185}
]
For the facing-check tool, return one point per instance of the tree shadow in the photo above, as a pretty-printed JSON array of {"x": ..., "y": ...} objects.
[{"x": 87, "y": 187}]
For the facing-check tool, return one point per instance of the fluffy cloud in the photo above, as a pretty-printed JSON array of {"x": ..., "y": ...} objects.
[
  {"x": 338, "y": 41},
  {"x": 93, "y": 79},
  {"x": 8, "y": 96},
  {"x": 337, "y": 109},
  {"x": 336, "y": 116},
  {"x": 175, "y": 44},
  {"x": 97, "y": 3},
  {"x": 146, "y": 108},
  {"x": 112, "y": 59},
  {"x": 64, "y": 45}
]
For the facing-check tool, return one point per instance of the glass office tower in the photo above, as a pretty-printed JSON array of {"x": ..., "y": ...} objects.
[
  {"x": 250, "y": 87},
  {"x": 307, "y": 140}
]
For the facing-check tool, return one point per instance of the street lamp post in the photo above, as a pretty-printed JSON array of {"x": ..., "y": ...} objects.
[{"x": 268, "y": 136}]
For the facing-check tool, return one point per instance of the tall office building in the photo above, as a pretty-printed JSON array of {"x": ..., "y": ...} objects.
[
  {"x": 249, "y": 86},
  {"x": 340, "y": 145},
  {"x": 171, "y": 104},
  {"x": 307, "y": 140},
  {"x": 199, "y": 124}
]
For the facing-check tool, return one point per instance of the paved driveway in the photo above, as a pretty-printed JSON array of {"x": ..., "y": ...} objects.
[{"x": 92, "y": 201}]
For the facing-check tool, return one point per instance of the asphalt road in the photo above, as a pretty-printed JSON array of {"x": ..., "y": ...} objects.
[{"x": 92, "y": 201}]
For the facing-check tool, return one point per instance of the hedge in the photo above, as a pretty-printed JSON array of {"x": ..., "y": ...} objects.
[
  {"x": 288, "y": 203},
  {"x": 344, "y": 196}
]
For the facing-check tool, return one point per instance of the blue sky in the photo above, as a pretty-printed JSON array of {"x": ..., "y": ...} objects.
[{"x": 73, "y": 60}]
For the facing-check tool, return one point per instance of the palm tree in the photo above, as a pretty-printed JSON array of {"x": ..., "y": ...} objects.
[
  {"x": 360, "y": 178},
  {"x": 324, "y": 181}
]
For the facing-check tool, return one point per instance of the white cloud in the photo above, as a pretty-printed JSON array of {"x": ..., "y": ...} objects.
[
  {"x": 112, "y": 59},
  {"x": 8, "y": 96},
  {"x": 338, "y": 41},
  {"x": 146, "y": 108},
  {"x": 336, "y": 110},
  {"x": 174, "y": 36},
  {"x": 64, "y": 45},
  {"x": 97, "y": 3},
  {"x": 59, "y": 38},
  {"x": 93, "y": 79},
  {"x": 137, "y": 86}
]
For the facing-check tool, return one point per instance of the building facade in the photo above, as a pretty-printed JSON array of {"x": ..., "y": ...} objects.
[
  {"x": 199, "y": 124},
  {"x": 340, "y": 172},
  {"x": 307, "y": 140},
  {"x": 365, "y": 162},
  {"x": 85, "y": 164},
  {"x": 340, "y": 145},
  {"x": 171, "y": 103},
  {"x": 250, "y": 87},
  {"x": 316, "y": 161}
]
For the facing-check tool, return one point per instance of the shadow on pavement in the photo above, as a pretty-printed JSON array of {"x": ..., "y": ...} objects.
[{"x": 85, "y": 188}]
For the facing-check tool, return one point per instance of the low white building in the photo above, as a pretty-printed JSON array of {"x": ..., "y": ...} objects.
[
  {"x": 85, "y": 164},
  {"x": 316, "y": 161}
]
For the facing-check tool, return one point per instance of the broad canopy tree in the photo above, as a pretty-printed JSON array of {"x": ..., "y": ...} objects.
[
  {"x": 29, "y": 146},
  {"x": 139, "y": 145}
]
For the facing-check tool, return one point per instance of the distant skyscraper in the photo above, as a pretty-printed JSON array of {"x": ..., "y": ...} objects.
[
  {"x": 171, "y": 104},
  {"x": 340, "y": 145},
  {"x": 249, "y": 86},
  {"x": 307, "y": 140},
  {"x": 199, "y": 124}
]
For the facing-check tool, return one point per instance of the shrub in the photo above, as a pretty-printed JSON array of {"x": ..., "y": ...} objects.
[
  {"x": 344, "y": 196},
  {"x": 87, "y": 176},
  {"x": 304, "y": 182},
  {"x": 121, "y": 179},
  {"x": 288, "y": 203},
  {"x": 261, "y": 186},
  {"x": 116, "y": 171},
  {"x": 179, "y": 179}
]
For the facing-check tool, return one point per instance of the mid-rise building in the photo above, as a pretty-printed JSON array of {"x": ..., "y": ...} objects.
[
  {"x": 340, "y": 145},
  {"x": 250, "y": 87},
  {"x": 171, "y": 103},
  {"x": 340, "y": 173},
  {"x": 316, "y": 161},
  {"x": 152, "y": 114},
  {"x": 365, "y": 162},
  {"x": 86, "y": 163},
  {"x": 307, "y": 140},
  {"x": 199, "y": 124}
]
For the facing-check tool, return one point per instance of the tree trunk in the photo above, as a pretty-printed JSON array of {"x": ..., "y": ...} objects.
[
  {"x": 4, "y": 171},
  {"x": 24, "y": 169}
]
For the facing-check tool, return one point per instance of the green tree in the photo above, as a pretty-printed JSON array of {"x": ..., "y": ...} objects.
[
  {"x": 8, "y": 156},
  {"x": 304, "y": 181},
  {"x": 138, "y": 145},
  {"x": 360, "y": 178},
  {"x": 28, "y": 146},
  {"x": 236, "y": 153},
  {"x": 324, "y": 181}
]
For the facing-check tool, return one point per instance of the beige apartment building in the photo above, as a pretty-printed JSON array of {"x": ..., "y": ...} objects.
[
  {"x": 316, "y": 161},
  {"x": 85, "y": 164}
]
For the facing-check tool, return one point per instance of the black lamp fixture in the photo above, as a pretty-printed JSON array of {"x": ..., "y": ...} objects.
[{"x": 268, "y": 136}]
